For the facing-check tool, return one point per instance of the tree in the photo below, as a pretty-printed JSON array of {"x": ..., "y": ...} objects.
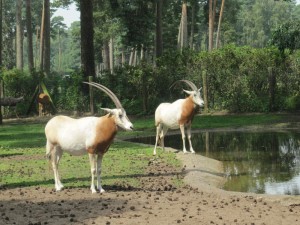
[
  {"x": 211, "y": 20},
  {"x": 0, "y": 56},
  {"x": 1, "y": 47},
  {"x": 183, "y": 31},
  {"x": 87, "y": 39},
  {"x": 287, "y": 36},
  {"x": 19, "y": 35},
  {"x": 159, "y": 39},
  {"x": 219, "y": 24},
  {"x": 29, "y": 35},
  {"x": 47, "y": 52}
]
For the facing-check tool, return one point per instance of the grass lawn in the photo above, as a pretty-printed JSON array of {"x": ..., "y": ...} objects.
[{"x": 23, "y": 163}]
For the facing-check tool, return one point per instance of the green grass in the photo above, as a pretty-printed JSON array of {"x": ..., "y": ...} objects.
[
  {"x": 23, "y": 163},
  {"x": 145, "y": 126}
]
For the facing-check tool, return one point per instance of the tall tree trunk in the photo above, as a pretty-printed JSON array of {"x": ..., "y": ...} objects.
[
  {"x": 219, "y": 24},
  {"x": 19, "y": 39},
  {"x": 211, "y": 22},
  {"x": 1, "y": 43},
  {"x": 159, "y": 40},
  {"x": 1, "y": 120},
  {"x": 59, "y": 52},
  {"x": 42, "y": 34},
  {"x": 192, "y": 26},
  {"x": 105, "y": 55},
  {"x": 87, "y": 39},
  {"x": 111, "y": 55},
  {"x": 183, "y": 32},
  {"x": 29, "y": 35},
  {"x": 47, "y": 53}
]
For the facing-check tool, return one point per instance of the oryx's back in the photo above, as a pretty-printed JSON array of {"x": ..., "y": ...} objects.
[
  {"x": 168, "y": 113},
  {"x": 71, "y": 134}
]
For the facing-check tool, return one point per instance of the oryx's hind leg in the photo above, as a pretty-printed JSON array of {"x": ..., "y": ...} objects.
[
  {"x": 183, "y": 137},
  {"x": 54, "y": 153},
  {"x": 158, "y": 131}
]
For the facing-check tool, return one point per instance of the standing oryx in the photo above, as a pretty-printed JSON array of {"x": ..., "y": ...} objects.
[
  {"x": 92, "y": 135},
  {"x": 178, "y": 114}
]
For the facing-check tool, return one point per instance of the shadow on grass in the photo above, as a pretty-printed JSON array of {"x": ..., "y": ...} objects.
[
  {"x": 73, "y": 181},
  {"x": 10, "y": 154}
]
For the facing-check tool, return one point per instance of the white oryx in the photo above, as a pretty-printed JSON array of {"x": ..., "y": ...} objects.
[
  {"x": 178, "y": 114},
  {"x": 92, "y": 135}
]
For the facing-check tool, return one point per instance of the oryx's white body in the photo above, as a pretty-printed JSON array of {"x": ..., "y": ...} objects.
[
  {"x": 178, "y": 114},
  {"x": 88, "y": 135}
]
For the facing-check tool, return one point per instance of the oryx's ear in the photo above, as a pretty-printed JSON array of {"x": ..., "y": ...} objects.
[
  {"x": 188, "y": 92},
  {"x": 200, "y": 89},
  {"x": 110, "y": 111}
]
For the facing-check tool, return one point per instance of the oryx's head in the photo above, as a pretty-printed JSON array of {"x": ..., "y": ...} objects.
[
  {"x": 195, "y": 93},
  {"x": 119, "y": 113}
]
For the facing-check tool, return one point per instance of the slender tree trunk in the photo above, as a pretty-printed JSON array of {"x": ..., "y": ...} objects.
[
  {"x": 29, "y": 35},
  {"x": 211, "y": 22},
  {"x": 219, "y": 24},
  {"x": 42, "y": 39},
  {"x": 1, "y": 82},
  {"x": 87, "y": 39},
  {"x": 205, "y": 90},
  {"x": 111, "y": 55},
  {"x": 131, "y": 58},
  {"x": 19, "y": 39},
  {"x": 1, "y": 43},
  {"x": 183, "y": 33},
  {"x": 37, "y": 46},
  {"x": 159, "y": 40},
  {"x": 192, "y": 26},
  {"x": 59, "y": 52},
  {"x": 106, "y": 55},
  {"x": 47, "y": 52}
]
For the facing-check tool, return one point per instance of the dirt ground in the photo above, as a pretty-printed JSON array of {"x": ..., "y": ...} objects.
[{"x": 200, "y": 201}]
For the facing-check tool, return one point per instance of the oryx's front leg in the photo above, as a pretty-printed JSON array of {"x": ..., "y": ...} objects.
[
  {"x": 99, "y": 163},
  {"x": 183, "y": 137},
  {"x": 96, "y": 161},
  {"x": 190, "y": 136},
  {"x": 93, "y": 163}
]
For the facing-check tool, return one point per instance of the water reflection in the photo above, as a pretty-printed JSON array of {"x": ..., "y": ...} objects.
[{"x": 260, "y": 162}]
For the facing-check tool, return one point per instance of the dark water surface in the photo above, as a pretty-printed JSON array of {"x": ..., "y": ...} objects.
[{"x": 259, "y": 162}]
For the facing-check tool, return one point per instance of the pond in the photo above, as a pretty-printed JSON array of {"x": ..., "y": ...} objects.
[{"x": 258, "y": 162}]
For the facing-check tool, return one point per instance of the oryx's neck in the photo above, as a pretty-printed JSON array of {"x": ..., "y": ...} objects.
[
  {"x": 106, "y": 130},
  {"x": 188, "y": 110}
]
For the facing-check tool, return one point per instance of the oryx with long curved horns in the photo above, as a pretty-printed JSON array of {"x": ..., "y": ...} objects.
[
  {"x": 178, "y": 114},
  {"x": 92, "y": 135}
]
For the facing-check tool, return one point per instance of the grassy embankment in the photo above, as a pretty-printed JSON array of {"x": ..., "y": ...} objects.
[{"x": 23, "y": 163}]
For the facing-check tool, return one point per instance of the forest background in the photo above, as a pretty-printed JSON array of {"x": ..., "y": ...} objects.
[{"x": 244, "y": 53}]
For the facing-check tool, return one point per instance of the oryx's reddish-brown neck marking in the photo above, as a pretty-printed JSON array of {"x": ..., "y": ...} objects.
[
  {"x": 188, "y": 111},
  {"x": 106, "y": 130}
]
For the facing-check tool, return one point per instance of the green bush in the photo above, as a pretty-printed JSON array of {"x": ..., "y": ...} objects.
[
  {"x": 16, "y": 84},
  {"x": 293, "y": 103}
]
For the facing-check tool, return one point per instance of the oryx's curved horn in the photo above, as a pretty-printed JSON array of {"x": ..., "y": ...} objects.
[
  {"x": 189, "y": 83},
  {"x": 108, "y": 92}
]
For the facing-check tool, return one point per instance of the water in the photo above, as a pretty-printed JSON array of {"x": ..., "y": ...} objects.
[{"x": 258, "y": 162}]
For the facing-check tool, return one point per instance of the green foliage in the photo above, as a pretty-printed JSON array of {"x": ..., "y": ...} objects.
[
  {"x": 287, "y": 36},
  {"x": 16, "y": 84},
  {"x": 293, "y": 103},
  {"x": 71, "y": 97}
]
